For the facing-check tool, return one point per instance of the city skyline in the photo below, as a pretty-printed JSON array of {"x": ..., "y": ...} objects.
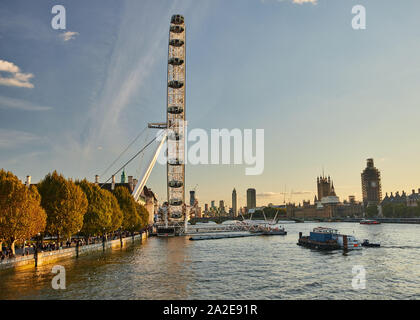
[
  {"x": 88, "y": 90},
  {"x": 325, "y": 184},
  {"x": 242, "y": 150}
]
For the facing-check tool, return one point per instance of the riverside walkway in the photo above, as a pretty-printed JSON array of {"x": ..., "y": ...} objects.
[{"x": 41, "y": 257}]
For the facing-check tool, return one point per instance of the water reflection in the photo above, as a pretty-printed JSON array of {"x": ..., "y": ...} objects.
[{"x": 242, "y": 268}]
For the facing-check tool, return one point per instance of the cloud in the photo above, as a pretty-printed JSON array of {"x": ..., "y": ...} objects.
[
  {"x": 13, "y": 138},
  {"x": 25, "y": 160},
  {"x": 270, "y": 194},
  {"x": 296, "y": 1},
  {"x": 131, "y": 64},
  {"x": 11, "y": 103},
  {"x": 68, "y": 35},
  {"x": 15, "y": 78},
  {"x": 301, "y": 192},
  {"x": 305, "y": 1}
]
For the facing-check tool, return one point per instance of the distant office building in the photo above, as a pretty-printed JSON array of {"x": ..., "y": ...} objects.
[
  {"x": 222, "y": 206},
  {"x": 212, "y": 204},
  {"x": 192, "y": 197},
  {"x": 206, "y": 207},
  {"x": 251, "y": 199},
  {"x": 234, "y": 203},
  {"x": 371, "y": 184},
  {"x": 198, "y": 212}
]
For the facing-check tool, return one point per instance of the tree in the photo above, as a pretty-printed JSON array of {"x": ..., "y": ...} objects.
[
  {"x": 65, "y": 204},
  {"x": 116, "y": 212},
  {"x": 388, "y": 210},
  {"x": 99, "y": 214},
  {"x": 21, "y": 214},
  {"x": 417, "y": 210},
  {"x": 412, "y": 212},
  {"x": 103, "y": 214},
  {"x": 400, "y": 210},
  {"x": 131, "y": 217},
  {"x": 144, "y": 215},
  {"x": 271, "y": 213},
  {"x": 372, "y": 210}
]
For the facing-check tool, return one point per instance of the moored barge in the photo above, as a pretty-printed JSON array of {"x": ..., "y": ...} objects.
[{"x": 328, "y": 239}]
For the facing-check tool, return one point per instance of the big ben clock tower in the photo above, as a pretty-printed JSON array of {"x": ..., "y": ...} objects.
[{"x": 371, "y": 184}]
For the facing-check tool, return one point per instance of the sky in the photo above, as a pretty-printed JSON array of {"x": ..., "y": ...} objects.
[{"x": 327, "y": 96}]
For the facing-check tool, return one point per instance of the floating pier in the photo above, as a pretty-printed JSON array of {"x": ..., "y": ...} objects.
[{"x": 223, "y": 236}]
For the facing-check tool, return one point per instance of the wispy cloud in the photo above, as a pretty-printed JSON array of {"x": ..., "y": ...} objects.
[
  {"x": 301, "y": 192},
  {"x": 19, "y": 104},
  {"x": 25, "y": 160},
  {"x": 305, "y": 1},
  {"x": 270, "y": 194},
  {"x": 14, "y": 77},
  {"x": 68, "y": 35},
  {"x": 293, "y": 1},
  {"x": 13, "y": 138},
  {"x": 131, "y": 64}
]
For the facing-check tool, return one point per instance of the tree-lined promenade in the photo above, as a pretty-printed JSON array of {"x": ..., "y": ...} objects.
[{"x": 60, "y": 208}]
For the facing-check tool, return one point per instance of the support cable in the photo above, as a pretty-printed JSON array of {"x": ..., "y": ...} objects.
[
  {"x": 135, "y": 156},
  {"x": 124, "y": 151}
]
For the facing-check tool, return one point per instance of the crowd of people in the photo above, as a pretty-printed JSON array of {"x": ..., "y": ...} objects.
[{"x": 7, "y": 253}]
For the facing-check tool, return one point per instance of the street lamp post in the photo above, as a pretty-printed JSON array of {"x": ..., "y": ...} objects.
[
  {"x": 121, "y": 237},
  {"x": 132, "y": 232},
  {"x": 77, "y": 244},
  {"x": 103, "y": 239},
  {"x": 36, "y": 249}
]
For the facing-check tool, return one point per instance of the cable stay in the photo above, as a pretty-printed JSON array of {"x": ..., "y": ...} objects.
[
  {"x": 141, "y": 160},
  {"x": 124, "y": 151},
  {"x": 163, "y": 134}
]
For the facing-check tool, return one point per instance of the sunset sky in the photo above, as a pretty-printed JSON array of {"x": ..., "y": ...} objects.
[{"x": 327, "y": 96}]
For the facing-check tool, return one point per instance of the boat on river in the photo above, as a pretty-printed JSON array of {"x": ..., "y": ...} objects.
[
  {"x": 328, "y": 239},
  {"x": 366, "y": 243},
  {"x": 268, "y": 230},
  {"x": 273, "y": 231},
  {"x": 365, "y": 221}
]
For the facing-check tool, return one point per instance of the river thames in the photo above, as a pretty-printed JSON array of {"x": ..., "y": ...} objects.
[{"x": 263, "y": 267}]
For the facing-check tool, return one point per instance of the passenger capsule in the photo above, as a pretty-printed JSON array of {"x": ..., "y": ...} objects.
[
  {"x": 174, "y": 84},
  {"x": 175, "y": 61},
  {"x": 175, "y": 184},
  {"x": 176, "y": 42},
  {"x": 174, "y": 162},
  {"x": 176, "y": 215},
  {"x": 175, "y": 202},
  {"x": 174, "y": 136},
  {"x": 176, "y": 29},
  {"x": 175, "y": 110},
  {"x": 177, "y": 19}
]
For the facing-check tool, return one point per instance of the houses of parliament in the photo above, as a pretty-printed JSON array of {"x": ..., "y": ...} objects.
[{"x": 326, "y": 203}]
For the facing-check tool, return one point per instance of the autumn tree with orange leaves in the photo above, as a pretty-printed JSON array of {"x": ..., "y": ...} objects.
[
  {"x": 21, "y": 214},
  {"x": 65, "y": 204}
]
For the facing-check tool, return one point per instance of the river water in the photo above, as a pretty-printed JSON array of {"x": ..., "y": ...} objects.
[{"x": 263, "y": 267}]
